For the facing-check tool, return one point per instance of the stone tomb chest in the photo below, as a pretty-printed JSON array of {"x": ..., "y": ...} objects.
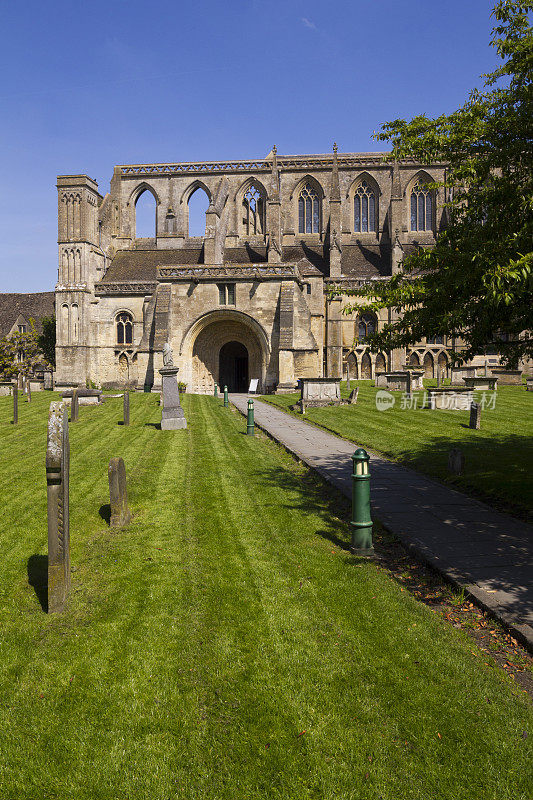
[
  {"x": 86, "y": 397},
  {"x": 507, "y": 377},
  {"x": 452, "y": 398},
  {"x": 400, "y": 380},
  {"x": 483, "y": 383},
  {"x": 319, "y": 392}
]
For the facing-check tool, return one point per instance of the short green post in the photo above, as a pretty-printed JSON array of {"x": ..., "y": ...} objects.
[
  {"x": 216, "y": 389},
  {"x": 361, "y": 520},
  {"x": 250, "y": 418},
  {"x": 226, "y": 398}
]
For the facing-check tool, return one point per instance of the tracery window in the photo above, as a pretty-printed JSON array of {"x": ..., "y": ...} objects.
[
  {"x": 421, "y": 207},
  {"x": 309, "y": 210},
  {"x": 253, "y": 206},
  {"x": 367, "y": 326},
  {"x": 364, "y": 212},
  {"x": 124, "y": 328}
]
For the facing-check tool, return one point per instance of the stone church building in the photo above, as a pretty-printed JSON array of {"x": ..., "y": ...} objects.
[{"x": 248, "y": 299}]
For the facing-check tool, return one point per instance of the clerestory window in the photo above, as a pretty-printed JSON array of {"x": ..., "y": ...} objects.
[
  {"x": 124, "y": 324},
  {"x": 226, "y": 294},
  {"x": 421, "y": 207},
  {"x": 309, "y": 210},
  {"x": 253, "y": 208},
  {"x": 364, "y": 213}
]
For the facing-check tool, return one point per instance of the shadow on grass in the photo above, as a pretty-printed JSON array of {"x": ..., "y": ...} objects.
[
  {"x": 105, "y": 513},
  {"x": 156, "y": 425},
  {"x": 37, "y": 568}
]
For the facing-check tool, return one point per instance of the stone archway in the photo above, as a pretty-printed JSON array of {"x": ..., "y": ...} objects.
[
  {"x": 225, "y": 348},
  {"x": 233, "y": 366}
]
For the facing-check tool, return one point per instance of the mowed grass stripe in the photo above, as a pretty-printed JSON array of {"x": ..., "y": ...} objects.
[{"x": 207, "y": 636}]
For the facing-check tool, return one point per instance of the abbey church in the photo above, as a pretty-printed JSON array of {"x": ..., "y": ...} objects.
[{"x": 248, "y": 299}]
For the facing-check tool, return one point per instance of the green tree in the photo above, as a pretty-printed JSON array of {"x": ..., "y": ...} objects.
[
  {"x": 477, "y": 282},
  {"x": 47, "y": 339},
  {"x": 20, "y": 352}
]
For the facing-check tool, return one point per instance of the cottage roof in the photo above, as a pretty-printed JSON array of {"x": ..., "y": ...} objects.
[{"x": 35, "y": 306}]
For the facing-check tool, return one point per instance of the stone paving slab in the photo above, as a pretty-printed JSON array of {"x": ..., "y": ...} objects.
[{"x": 488, "y": 553}]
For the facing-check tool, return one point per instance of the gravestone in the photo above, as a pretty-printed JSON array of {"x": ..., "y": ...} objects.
[
  {"x": 439, "y": 378},
  {"x": 353, "y": 395},
  {"x": 74, "y": 406},
  {"x": 15, "y": 404},
  {"x": 475, "y": 416},
  {"x": 57, "y": 480},
  {"x": 28, "y": 390},
  {"x": 126, "y": 407},
  {"x": 172, "y": 417},
  {"x": 456, "y": 461},
  {"x": 348, "y": 384},
  {"x": 409, "y": 384},
  {"x": 118, "y": 495},
  {"x": 48, "y": 385}
]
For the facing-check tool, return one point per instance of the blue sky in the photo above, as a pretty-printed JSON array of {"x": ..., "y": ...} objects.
[{"x": 90, "y": 85}]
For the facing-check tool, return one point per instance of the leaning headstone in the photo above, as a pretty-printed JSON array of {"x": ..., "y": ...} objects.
[
  {"x": 74, "y": 406},
  {"x": 456, "y": 461},
  {"x": 126, "y": 407},
  {"x": 15, "y": 404},
  {"x": 57, "y": 480},
  {"x": 120, "y": 513},
  {"x": 353, "y": 395},
  {"x": 475, "y": 416}
]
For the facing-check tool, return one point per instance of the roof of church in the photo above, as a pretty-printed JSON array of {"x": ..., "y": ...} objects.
[{"x": 35, "y": 306}]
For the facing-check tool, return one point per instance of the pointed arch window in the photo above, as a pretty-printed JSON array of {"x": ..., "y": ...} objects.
[
  {"x": 367, "y": 326},
  {"x": 253, "y": 211},
  {"x": 421, "y": 207},
  {"x": 124, "y": 324},
  {"x": 364, "y": 211},
  {"x": 309, "y": 210}
]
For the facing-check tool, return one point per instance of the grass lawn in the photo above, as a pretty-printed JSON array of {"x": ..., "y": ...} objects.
[
  {"x": 498, "y": 458},
  {"x": 221, "y": 646}
]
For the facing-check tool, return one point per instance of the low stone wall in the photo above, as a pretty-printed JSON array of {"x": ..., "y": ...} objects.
[{"x": 6, "y": 388}]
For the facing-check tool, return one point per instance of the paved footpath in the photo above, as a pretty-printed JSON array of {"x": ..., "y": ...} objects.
[{"x": 487, "y": 552}]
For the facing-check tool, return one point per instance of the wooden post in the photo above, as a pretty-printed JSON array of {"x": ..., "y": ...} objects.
[
  {"x": 15, "y": 404},
  {"x": 126, "y": 407}
]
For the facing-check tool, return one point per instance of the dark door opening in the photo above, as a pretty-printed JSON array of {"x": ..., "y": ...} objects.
[{"x": 233, "y": 367}]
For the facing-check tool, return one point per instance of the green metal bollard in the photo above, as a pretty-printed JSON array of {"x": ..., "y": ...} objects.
[
  {"x": 250, "y": 425},
  {"x": 226, "y": 399},
  {"x": 361, "y": 520},
  {"x": 216, "y": 389}
]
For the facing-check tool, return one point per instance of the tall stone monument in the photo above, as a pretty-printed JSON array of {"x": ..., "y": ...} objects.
[
  {"x": 118, "y": 495},
  {"x": 126, "y": 407},
  {"x": 57, "y": 480},
  {"x": 173, "y": 417}
]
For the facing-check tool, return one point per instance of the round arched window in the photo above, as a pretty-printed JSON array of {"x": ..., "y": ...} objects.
[{"x": 124, "y": 323}]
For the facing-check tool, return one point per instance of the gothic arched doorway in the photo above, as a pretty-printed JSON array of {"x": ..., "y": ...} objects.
[{"x": 233, "y": 366}]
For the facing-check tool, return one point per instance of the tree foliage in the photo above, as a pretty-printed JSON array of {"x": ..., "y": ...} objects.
[
  {"x": 47, "y": 339},
  {"x": 20, "y": 352},
  {"x": 477, "y": 282}
]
